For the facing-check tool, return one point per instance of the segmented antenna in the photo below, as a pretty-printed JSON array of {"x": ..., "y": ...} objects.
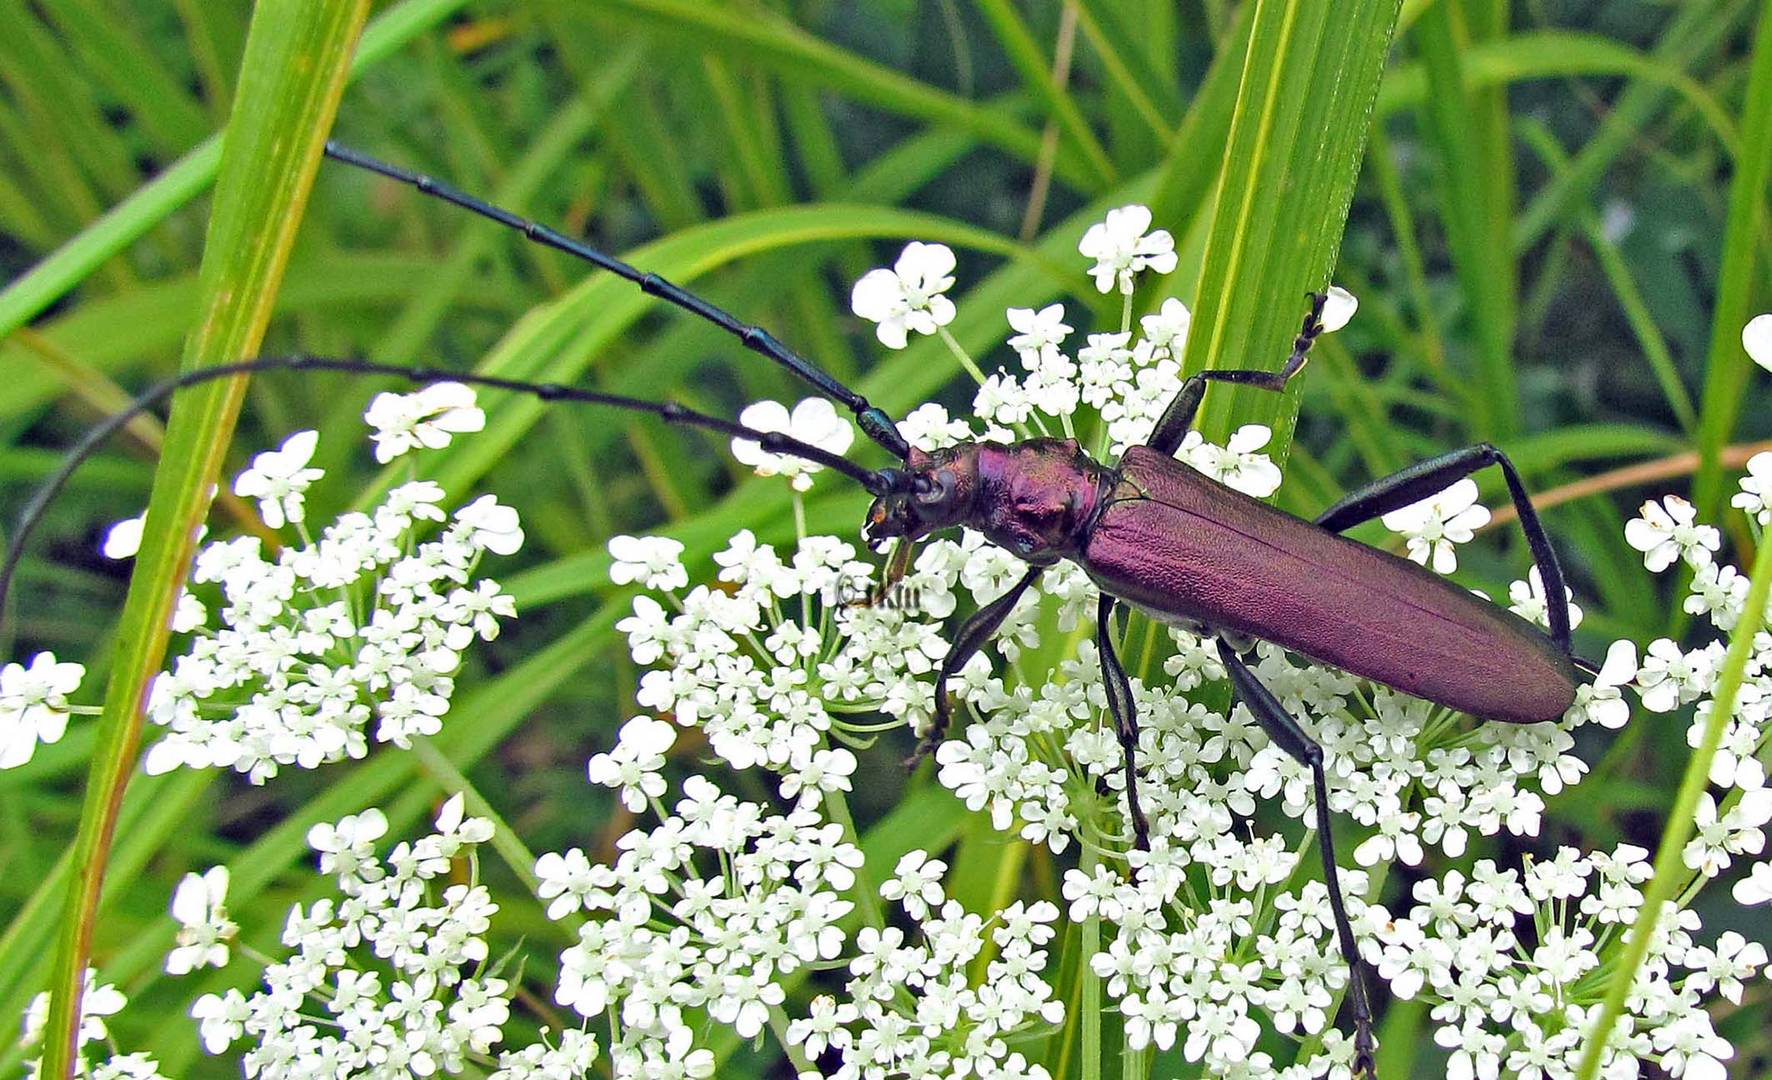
[
  {"x": 774, "y": 442},
  {"x": 874, "y": 423}
]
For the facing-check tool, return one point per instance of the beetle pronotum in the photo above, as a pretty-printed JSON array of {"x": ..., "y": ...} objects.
[{"x": 1149, "y": 530}]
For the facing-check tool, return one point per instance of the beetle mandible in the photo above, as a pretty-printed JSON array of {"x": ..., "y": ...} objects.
[{"x": 1149, "y": 530}]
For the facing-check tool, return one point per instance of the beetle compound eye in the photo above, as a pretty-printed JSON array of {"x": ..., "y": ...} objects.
[{"x": 935, "y": 490}]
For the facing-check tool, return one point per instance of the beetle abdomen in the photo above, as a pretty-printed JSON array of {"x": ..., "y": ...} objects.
[{"x": 1175, "y": 542}]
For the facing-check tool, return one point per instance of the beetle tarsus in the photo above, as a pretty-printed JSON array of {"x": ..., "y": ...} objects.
[
  {"x": 1365, "y": 1051},
  {"x": 1178, "y": 416}
]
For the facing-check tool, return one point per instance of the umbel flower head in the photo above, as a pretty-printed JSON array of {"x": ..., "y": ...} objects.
[{"x": 368, "y": 621}]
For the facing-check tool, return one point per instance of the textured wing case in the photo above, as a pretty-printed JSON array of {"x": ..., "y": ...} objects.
[{"x": 1183, "y": 546}]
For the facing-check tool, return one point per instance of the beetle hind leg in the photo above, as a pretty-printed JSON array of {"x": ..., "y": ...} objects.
[
  {"x": 1124, "y": 710},
  {"x": 1426, "y": 478},
  {"x": 1290, "y": 737}
]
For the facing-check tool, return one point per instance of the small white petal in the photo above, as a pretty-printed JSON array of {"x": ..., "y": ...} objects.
[
  {"x": 124, "y": 538},
  {"x": 1338, "y": 309},
  {"x": 1756, "y": 338}
]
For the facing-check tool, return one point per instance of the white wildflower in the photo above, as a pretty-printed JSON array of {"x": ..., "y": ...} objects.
[
  {"x": 198, "y": 906},
  {"x": 492, "y": 525},
  {"x": 1439, "y": 521},
  {"x": 1755, "y": 496},
  {"x": 1664, "y": 532},
  {"x": 1339, "y": 306},
  {"x": 634, "y": 764},
  {"x": 34, "y": 705},
  {"x": 1756, "y": 338},
  {"x": 279, "y": 478},
  {"x": 813, "y": 421},
  {"x": 429, "y": 417},
  {"x": 1123, "y": 245},
  {"x": 124, "y": 539},
  {"x": 910, "y": 296},
  {"x": 654, "y": 561}
]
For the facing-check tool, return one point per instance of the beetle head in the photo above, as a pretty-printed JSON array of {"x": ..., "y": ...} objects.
[{"x": 932, "y": 491}]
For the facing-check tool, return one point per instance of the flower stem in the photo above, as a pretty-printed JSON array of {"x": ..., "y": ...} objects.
[
  {"x": 505, "y": 840},
  {"x": 867, "y": 897},
  {"x": 1089, "y": 1065},
  {"x": 778, "y": 1023},
  {"x": 1669, "y": 865},
  {"x": 960, "y": 354},
  {"x": 800, "y": 534}
]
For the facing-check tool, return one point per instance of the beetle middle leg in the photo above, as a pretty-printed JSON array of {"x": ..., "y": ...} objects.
[
  {"x": 1124, "y": 710},
  {"x": 1178, "y": 417},
  {"x": 1436, "y": 474},
  {"x": 1290, "y": 737}
]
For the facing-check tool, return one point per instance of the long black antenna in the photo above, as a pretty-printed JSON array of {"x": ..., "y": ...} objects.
[
  {"x": 774, "y": 442},
  {"x": 874, "y": 423}
]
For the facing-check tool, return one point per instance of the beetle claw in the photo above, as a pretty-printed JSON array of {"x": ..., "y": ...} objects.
[{"x": 1365, "y": 1051}]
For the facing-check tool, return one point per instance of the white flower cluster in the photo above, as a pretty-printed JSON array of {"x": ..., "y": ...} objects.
[
  {"x": 712, "y": 909},
  {"x": 96, "y": 1002},
  {"x": 1506, "y": 960},
  {"x": 770, "y": 691},
  {"x": 367, "y": 621},
  {"x": 1191, "y": 966},
  {"x": 766, "y": 688},
  {"x": 1209, "y": 939},
  {"x": 949, "y": 1023},
  {"x": 1732, "y": 825},
  {"x": 392, "y": 978}
]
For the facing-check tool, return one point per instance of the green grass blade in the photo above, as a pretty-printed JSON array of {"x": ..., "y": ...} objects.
[
  {"x": 1475, "y": 188},
  {"x": 1738, "y": 279},
  {"x": 1696, "y": 28},
  {"x": 293, "y": 73},
  {"x": 1036, "y": 74},
  {"x": 152, "y": 203},
  {"x": 796, "y": 55},
  {"x": 1545, "y": 54},
  {"x": 1624, "y": 284},
  {"x": 1310, "y": 76}
]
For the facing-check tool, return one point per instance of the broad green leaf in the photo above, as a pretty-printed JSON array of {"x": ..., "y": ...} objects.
[{"x": 1310, "y": 75}]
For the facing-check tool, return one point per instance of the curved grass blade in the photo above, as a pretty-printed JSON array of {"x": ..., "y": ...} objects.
[
  {"x": 293, "y": 73},
  {"x": 794, "y": 54},
  {"x": 1727, "y": 367},
  {"x": 153, "y": 202},
  {"x": 1669, "y": 865}
]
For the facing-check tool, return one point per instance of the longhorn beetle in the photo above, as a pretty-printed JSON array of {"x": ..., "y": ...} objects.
[{"x": 1150, "y": 531}]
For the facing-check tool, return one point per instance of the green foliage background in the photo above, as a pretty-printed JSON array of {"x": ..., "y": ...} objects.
[{"x": 1556, "y": 234}]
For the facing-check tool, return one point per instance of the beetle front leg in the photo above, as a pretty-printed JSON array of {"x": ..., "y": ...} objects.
[
  {"x": 974, "y": 632},
  {"x": 1178, "y": 417},
  {"x": 1426, "y": 478},
  {"x": 1124, "y": 709},
  {"x": 1290, "y": 737}
]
